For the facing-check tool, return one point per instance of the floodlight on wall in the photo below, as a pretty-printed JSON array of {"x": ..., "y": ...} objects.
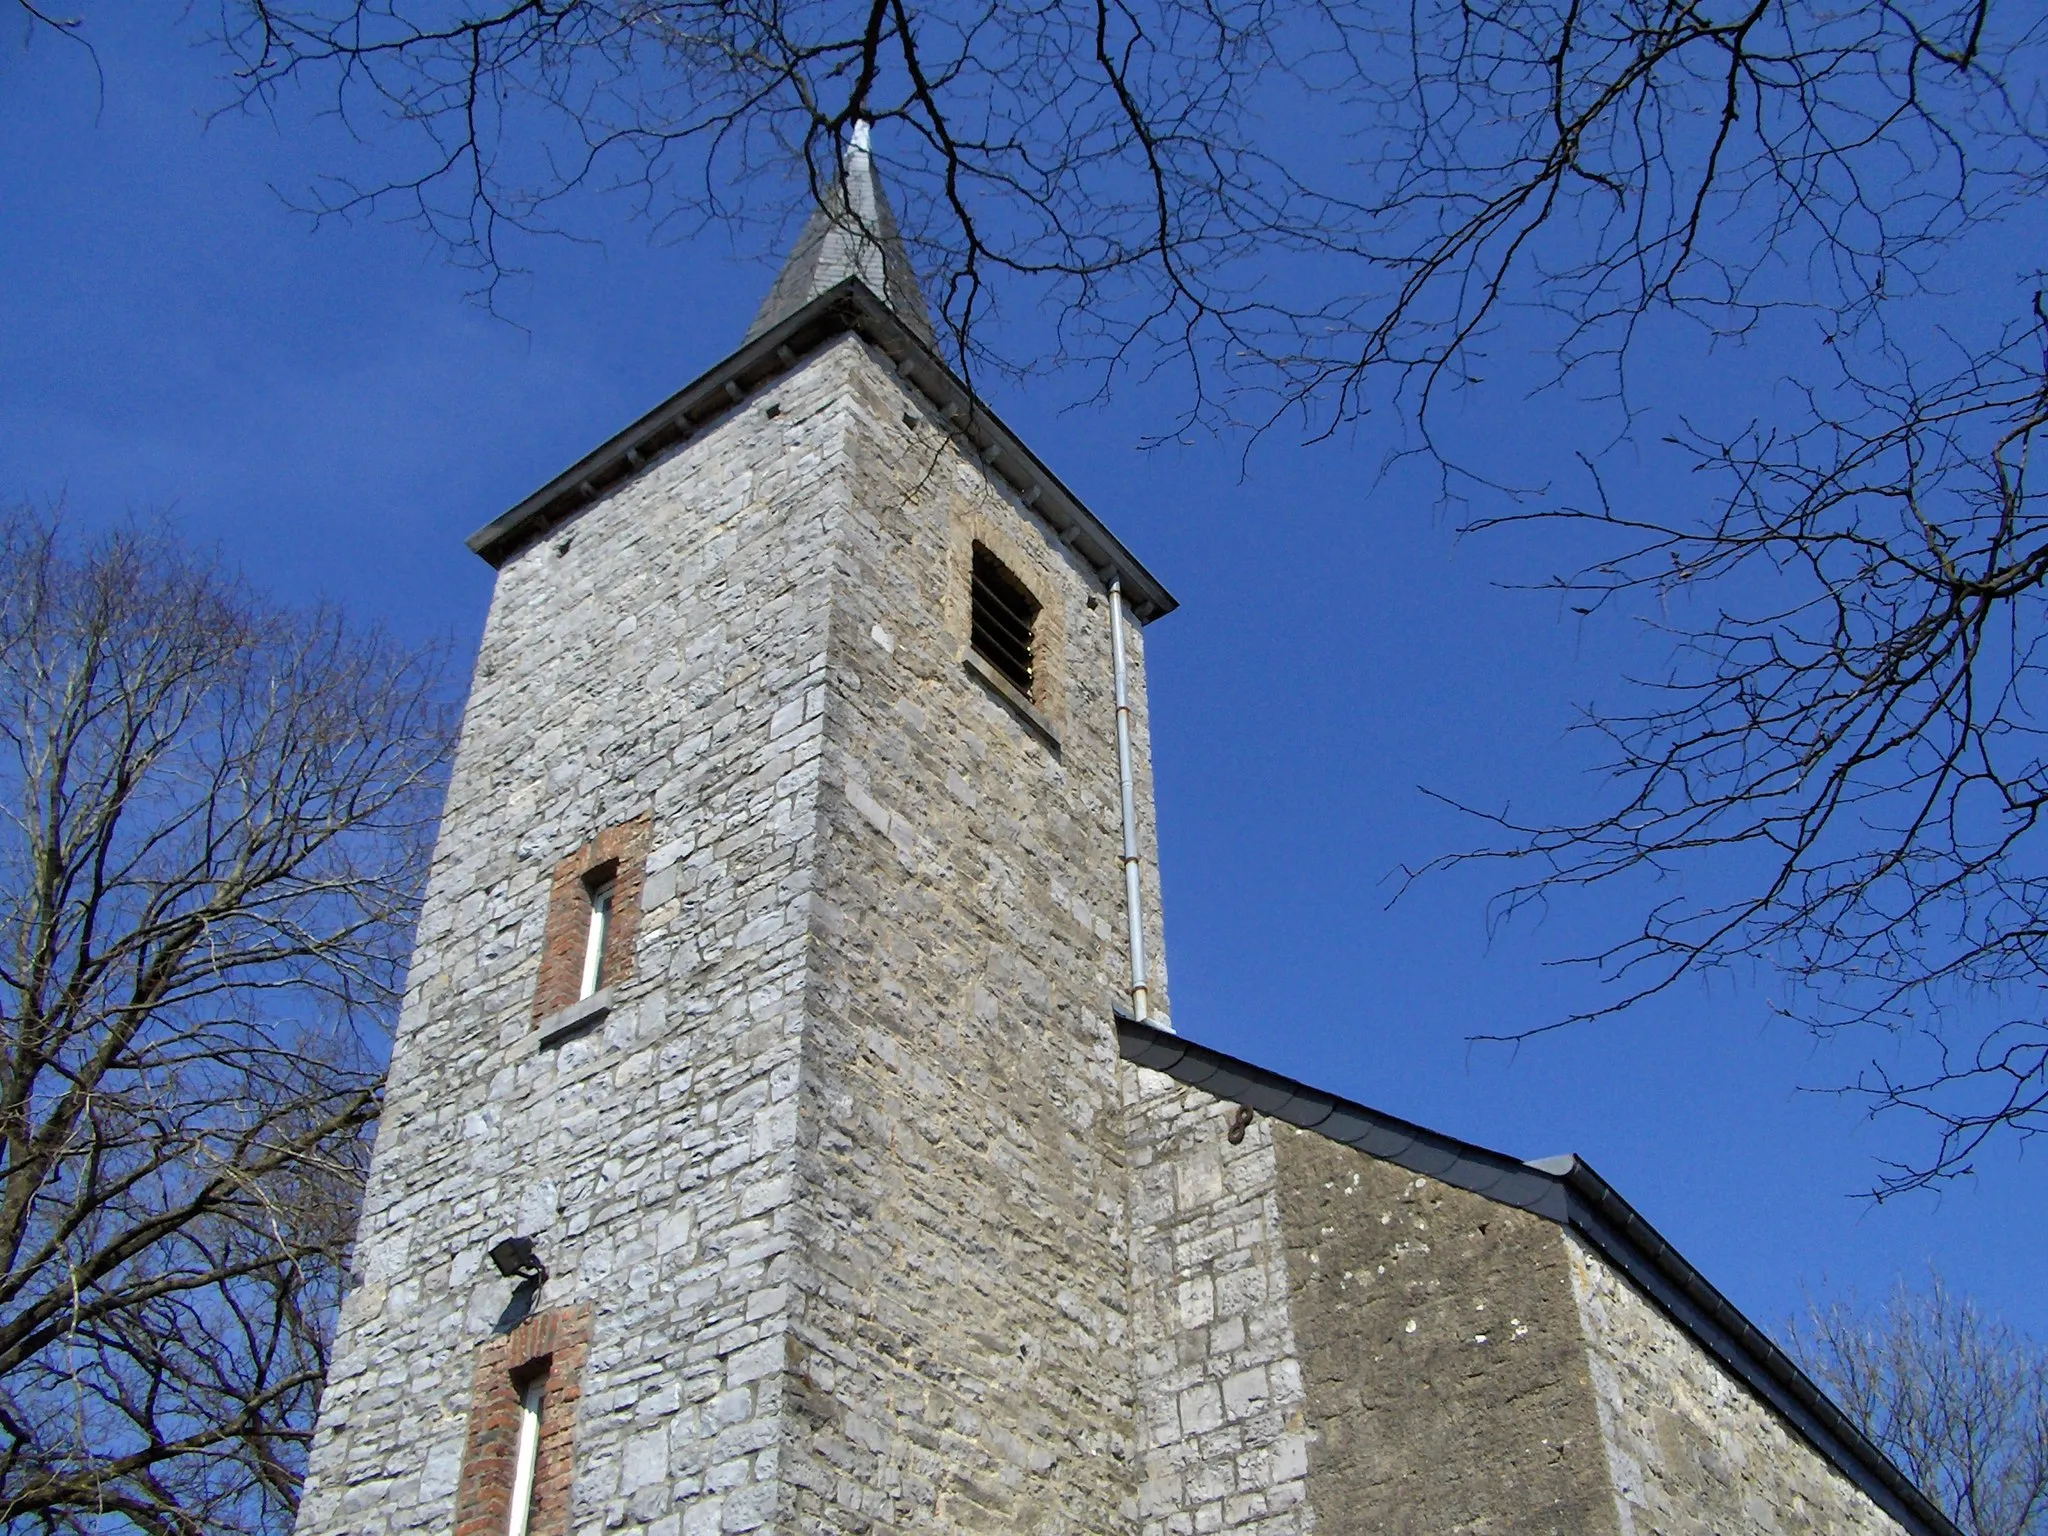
[{"x": 515, "y": 1259}]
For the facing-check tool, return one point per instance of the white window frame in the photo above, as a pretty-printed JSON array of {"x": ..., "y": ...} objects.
[
  {"x": 528, "y": 1457},
  {"x": 600, "y": 935}
]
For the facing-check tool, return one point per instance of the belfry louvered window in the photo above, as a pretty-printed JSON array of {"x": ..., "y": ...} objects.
[{"x": 1005, "y": 616}]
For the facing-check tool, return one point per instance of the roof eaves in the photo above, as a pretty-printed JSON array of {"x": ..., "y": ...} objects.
[
  {"x": 1384, "y": 1136},
  {"x": 847, "y": 306},
  {"x": 1628, "y": 1241},
  {"x": 1568, "y": 1192}
]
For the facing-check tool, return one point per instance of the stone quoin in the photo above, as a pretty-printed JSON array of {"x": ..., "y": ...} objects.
[{"x": 855, "y": 1206}]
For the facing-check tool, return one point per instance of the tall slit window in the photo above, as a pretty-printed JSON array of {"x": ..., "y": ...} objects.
[
  {"x": 1004, "y": 621},
  {"x": 526, "y": 1460},
  {"x": 599, "y": 888}
]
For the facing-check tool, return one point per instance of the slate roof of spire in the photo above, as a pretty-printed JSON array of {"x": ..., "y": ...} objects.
[
  {"x": 853, "y": 234},
  {"x": 849, "y": 273}
]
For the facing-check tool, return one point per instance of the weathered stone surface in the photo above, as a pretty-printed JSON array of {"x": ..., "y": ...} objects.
[
  {"x": 664, "y": 654},
  {"x": 1447, "y": 1377},
  {"x": 961, "y": 1328},
  {"x": 1691, "y": 1452},
  {"x": 841, "y": 1175},
  {"x": 1222, "y": 1417},
  {"x": 1325, "y": 1341}
]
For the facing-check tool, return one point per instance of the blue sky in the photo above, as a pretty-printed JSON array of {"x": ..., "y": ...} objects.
[{"x": 327, "y": 408}]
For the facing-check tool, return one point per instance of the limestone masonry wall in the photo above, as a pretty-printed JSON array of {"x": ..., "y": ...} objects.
[
  {"x": 1327, "y": 1342},
  {"x": 840, "y": 1178},
  {"x": 665, "y": 654},
  {"x": 862, "y": 1222},
  {"x": 1446, "y": 1373},
  {"x": 1691, "y": 1452},
  {"x": 1223, "y": 1433},
  {"x": 961, "y": 1344}
]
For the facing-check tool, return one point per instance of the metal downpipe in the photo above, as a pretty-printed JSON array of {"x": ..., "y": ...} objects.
[{"x": 1133, "y": 901}]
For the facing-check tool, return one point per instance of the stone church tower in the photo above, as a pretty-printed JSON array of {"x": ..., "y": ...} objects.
[{"x": 764, "y": 1148}]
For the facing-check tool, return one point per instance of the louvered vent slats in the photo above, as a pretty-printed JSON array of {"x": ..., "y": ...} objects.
[{"x": 1005, "y": 616}]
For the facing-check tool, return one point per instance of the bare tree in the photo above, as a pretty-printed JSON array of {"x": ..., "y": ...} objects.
[
  {"x": 1057, "y": 144},
  {"x": 1602, "y": 159},
  {"x": 1959, "y": 1400},
  {"x": 1328, "y": 209},
  {"x": 214, "y": 836},
  {"x": 1843, "y": 771}
]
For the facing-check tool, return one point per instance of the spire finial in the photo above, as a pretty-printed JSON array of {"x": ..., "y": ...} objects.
[{"x": 852, "y": 234}]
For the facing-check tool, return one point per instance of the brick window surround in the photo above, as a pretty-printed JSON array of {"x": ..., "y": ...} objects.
[
  {"x": 617, "y": 855},
  {"x": 555, "y": 1343}
]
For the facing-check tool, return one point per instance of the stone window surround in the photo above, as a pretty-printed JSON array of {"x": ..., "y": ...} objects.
[
  {"x": 617, "y": 855},
  {"x": 557, "y": 1343},
  {"x": 1011, "y": 695},
  {"x": 1043, "y": 711}
]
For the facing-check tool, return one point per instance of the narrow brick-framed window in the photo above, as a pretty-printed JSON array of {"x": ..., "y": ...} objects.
[
  {"x": 593, "y": 918},
  {"x": 517, "y": 1467},
  {"x": 1004, "y": 620}
]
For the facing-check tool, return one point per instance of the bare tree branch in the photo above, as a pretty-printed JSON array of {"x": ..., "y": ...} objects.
[
  {"x": 1848, "y": 747},
  {"x": 217, "y": 816},
  {"x": 1957, "y": 1399},
  {"x": 1121, "y": 160},
  {"x": 1319, "y": 211}
]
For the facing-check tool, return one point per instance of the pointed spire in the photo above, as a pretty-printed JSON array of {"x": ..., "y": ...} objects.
[{"x": 853, "y": 234}]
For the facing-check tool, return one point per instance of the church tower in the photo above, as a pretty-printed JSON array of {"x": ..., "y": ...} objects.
[
  {"x": 764, "y": 1149},
  {"x": 753, "y": 1150}
]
